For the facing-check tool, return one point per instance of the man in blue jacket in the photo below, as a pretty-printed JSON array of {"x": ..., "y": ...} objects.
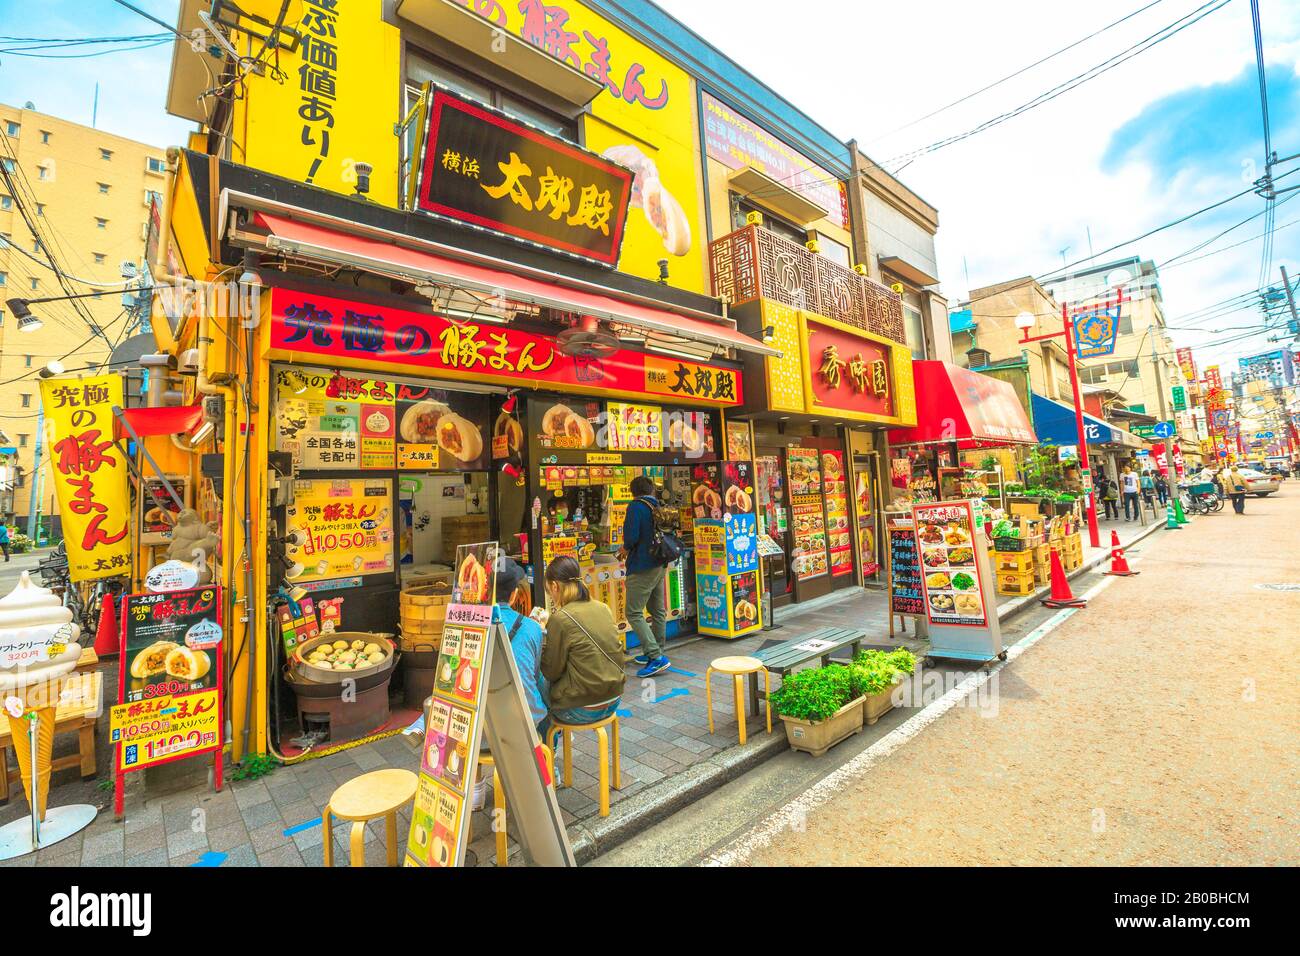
[{"x": 645, "y": 578}]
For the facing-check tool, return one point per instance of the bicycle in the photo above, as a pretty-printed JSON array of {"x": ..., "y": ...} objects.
[{"x": 85, "y": 599}]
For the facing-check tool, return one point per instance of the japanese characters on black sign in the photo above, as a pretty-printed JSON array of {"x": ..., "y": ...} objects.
[{"x": 483, "y": 168}]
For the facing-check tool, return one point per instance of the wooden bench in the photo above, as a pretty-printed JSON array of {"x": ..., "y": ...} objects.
[
  {"x": 79, "y": 715},
  {"x": 786, "y": 656}
]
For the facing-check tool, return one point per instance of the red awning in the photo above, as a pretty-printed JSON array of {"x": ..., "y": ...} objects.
[
  {"x": 956, "y": 404},
  {"x": 172, "y": 420},
  {"x": 363, "y": 252}
]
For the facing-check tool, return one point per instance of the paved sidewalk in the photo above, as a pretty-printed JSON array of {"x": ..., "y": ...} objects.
[{"x": 665, "y": 741}]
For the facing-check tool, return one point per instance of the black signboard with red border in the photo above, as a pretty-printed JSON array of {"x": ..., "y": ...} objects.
[{"x": 484, "y": 168}]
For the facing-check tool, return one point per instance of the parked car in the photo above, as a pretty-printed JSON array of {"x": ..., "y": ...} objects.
[{"x": 1260, "y": 484}]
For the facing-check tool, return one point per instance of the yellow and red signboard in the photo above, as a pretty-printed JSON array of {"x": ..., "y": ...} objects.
[
  {"x": 89, "y": 473},
  {"x": 344, "y": 526}
]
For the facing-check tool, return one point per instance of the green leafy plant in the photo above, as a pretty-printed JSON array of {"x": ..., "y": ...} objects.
[
  {"x": 815, "y": 694},
  {"x": 19, "y": 543},
  {"x": 875, "y": 671},
  {"x": 254, "y": 766}
]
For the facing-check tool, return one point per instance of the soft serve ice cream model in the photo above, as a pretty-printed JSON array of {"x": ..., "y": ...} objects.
[{"x": 38, "y": 645}]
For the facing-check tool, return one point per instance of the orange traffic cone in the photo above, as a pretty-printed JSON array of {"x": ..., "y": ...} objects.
[
  {"x": 1062, "y": 596},
  {"x": 106, "y": 636},
  {"x": 1118, "y": 563}
]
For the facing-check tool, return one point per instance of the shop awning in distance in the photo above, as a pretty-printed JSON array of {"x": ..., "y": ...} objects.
[
  {"x": 167, "y": 420},
  {"x": 1056, "y": 426},
  {"x": 956, "y": 404},
  {"x": 363, "y": 252}
]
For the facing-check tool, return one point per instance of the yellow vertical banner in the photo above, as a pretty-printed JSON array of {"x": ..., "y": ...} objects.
[{"x": 89, "y": 473}]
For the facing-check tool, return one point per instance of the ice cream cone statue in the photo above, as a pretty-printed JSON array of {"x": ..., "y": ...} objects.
[{"x": 38, "y": 646}]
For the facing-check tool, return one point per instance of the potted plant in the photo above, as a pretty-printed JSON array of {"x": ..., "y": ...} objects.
[
  {"x": 876, "y": 674},
  {"x": 818, "y": 708}
]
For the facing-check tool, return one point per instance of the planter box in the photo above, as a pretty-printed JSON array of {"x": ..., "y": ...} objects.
[
  {"x": 875, "y": 706},
  {"x": 820, "y": 737}
]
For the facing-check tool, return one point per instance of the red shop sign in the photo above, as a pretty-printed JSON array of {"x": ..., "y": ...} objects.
[
  {"x": 409, "y": 342},
  {"x": 848, "y": 373}
]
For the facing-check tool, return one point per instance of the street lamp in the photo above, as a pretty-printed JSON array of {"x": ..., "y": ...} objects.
[
  {"x": 26, "y": 321},
  {"x": 1026, "y": 321}
]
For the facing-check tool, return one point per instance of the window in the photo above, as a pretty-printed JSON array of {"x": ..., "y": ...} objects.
[
  {"x": 4, "y": 278},
  {"x": 103, "y": 188},
  {"x": 22, "y": 440},
  {"x": 101, "y": 223},
  {"x": 742, "y": 207},
  {"x": 157, "y": 165},
  {"x": 1126, "y": 325},
  {"x": 105, "y": 154},
  {"x": 27, "y": 361},
  {"x": 12, "y": 128},
  {"x": 40, "y": 209},
  {"x": 8, "y": 164},
  {"x": 914, "y": 328},
  {"x": 99, "y": 258},
  {"x": 36, "y": 283},
  {"x": 27, "y": 400},
  {"x": 43, "y": 173},
  {"x": 152, "y": 196},
  {"x": 6, "y": 202},
  {"x": 45, "y": 136},
  {"x": 837, "y": 252},
  {"x": 2, "y": 318}
]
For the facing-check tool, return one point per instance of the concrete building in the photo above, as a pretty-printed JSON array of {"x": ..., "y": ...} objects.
[
  {"x": 80, "y": 196},
  {"x": 896, "y": 244}
]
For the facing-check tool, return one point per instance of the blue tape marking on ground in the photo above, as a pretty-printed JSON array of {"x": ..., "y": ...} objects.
[
  {"x": 675, "y": 692},
  {"x": 210, "y": 859},
  {"x": 302, "y": 826},
  {"x": 623, "y": 712},
  {"x": 678, "y": 670}
]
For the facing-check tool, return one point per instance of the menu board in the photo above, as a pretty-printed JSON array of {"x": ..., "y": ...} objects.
[
  {"x": 808, "y": 553},
  {"x": 838, "y": 535},
  {"x": 333, "y": 421},
  {"x": 739, "y": 446},
  {"x": 866, "y": 523},
  {"x": 905, "y": 589},
  {"x": 711, "y": 600},
  {"x": 742, "y": 542},
  {"x": 635, "y": 427},
  {"x": 169, "y": 678},
  {"x": 344, "y": 527},
  {"x": 951, "y": 575},
  {"x": 804, "y": 468}
]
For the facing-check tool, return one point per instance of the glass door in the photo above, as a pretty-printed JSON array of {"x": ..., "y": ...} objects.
[{"x": 774, "y": 521}]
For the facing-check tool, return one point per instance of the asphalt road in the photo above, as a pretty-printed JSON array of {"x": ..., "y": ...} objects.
[{"x": 1156, "y": 727}]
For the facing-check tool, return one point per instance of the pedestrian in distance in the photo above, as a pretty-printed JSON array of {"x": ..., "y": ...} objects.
[
  {"x": 1236, "y": 484},
  {"x": 1109, "y": 496},
  {"x": 4, "y": 540},
  {"x": 1162, "y": 489},
  {"x": 1129, "y": 480},
  {"x": 1148, "y": 484},
  {"x": 645, "y": 578}
]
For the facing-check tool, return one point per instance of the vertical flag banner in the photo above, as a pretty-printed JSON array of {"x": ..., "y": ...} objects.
[{"x": 89, "y": 473}]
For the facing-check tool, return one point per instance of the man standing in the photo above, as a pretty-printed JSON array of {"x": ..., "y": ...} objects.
[
  {"x": 645, "y": 578},
  {"x": 1109, "y": 495},
  {"x": 1236, "y": 483},
  {"x": 1132, "y": 507},
  {"x": 1148, "y": 484}
]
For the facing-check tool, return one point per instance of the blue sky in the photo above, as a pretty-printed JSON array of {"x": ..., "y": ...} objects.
[{"x": 1175, "y": 129}]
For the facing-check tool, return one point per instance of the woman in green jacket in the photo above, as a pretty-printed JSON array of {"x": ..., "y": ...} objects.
[{"x": 582, "y": 659}]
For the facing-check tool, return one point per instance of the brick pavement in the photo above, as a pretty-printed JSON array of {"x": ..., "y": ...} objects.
[{"x": 275, "y": 821}]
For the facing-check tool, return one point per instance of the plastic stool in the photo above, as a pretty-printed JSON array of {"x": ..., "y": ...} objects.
[
  {"x": 499, "y": 800},
  {"x": 566, "y": 731}
]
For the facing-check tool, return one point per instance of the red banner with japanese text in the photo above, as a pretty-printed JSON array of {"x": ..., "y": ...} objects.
[
  {"x": 89, "y": 473},
  {"x": 306, "y": 324}
]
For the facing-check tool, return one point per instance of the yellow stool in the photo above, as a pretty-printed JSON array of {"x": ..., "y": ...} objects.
[
  {"x": 738, "y": 668},
  {"x": 566, "y": 731},
  {"x": 367, "y": 797},
  {"x": 499, "y": 800}
]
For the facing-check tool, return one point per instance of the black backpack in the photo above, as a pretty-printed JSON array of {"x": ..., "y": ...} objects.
[{"x": 664, "y": 547}]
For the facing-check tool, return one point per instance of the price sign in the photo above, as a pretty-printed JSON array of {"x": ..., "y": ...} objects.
[{"x": 905, "y": 594}]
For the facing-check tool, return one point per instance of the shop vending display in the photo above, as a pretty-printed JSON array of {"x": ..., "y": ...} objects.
[
  {"x": 809, "y": 554},
  {"x": 838, "y": 534},
  {"x": 725, "y": 528}
]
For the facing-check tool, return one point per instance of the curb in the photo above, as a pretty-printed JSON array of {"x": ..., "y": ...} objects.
[{"x": 594, "y": 836}]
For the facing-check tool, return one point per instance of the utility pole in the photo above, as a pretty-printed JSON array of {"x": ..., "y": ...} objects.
[
  {"x": 1290, "y": 299},
  {"x": 34, "y": 499},
  {"x": 1171, "y": 478}
]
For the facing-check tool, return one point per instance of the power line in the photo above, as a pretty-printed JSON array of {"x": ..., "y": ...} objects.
[
  {"x": 1160, "y": 36},
  {"x": 1012, "y": 76}
]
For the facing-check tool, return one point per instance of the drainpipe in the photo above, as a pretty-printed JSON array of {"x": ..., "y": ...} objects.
[{"x": 163, "y": 333}]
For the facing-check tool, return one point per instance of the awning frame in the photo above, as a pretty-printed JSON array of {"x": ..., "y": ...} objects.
[{"x": 243, "y": 238}]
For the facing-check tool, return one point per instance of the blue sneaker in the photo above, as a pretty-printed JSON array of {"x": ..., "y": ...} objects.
[
  {"x": 654, "y": 667},
  {"x": 641, "y": 660}
]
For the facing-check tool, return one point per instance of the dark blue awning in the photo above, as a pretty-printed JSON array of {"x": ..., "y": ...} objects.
[{"x": 1055, "y": 425}]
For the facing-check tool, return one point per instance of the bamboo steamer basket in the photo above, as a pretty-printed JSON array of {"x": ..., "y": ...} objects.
[{"x": 423, "y": 612}]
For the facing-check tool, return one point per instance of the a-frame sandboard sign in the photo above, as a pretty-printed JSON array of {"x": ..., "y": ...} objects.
[{"x": 478, "y": 697}]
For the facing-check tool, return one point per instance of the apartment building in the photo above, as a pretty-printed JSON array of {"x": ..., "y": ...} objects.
[{"x": 80, "y": 197}]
